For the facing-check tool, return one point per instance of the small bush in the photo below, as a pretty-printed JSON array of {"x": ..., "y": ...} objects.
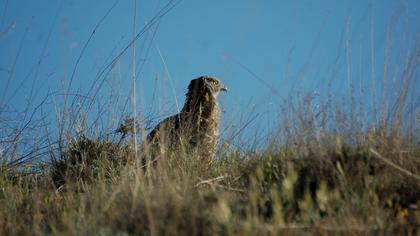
[{"x": 87, "y": 159}]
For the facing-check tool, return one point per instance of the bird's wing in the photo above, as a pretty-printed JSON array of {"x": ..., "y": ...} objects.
[{"x": 169, "y": 125}]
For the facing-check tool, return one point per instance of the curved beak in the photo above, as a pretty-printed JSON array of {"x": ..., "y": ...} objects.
[{"x": 224, "y": 89}]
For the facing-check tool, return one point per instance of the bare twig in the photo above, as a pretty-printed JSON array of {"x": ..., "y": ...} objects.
[
  {"x": 209, "y": 181},
  {"x": 388, "y": 162},
  {"x": 212, "y": 182}
]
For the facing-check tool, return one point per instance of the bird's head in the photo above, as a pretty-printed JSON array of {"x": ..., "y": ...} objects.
[
  {"x": 214, "y": 84},
  {"x": 208, "y": 83},
  {"x": 199, "y": 89}
]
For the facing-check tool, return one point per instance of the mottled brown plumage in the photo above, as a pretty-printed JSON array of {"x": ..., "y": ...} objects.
[{"x": 196, "y": 127}]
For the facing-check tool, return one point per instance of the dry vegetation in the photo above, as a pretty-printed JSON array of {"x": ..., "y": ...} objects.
[{"x": 310, "y": 179}]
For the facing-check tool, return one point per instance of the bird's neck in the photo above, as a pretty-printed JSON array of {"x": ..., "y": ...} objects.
[{"x": 201, "y": 105}]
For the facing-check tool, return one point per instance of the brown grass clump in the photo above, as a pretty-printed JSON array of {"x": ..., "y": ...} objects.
[{"x": 85, "y": 158}]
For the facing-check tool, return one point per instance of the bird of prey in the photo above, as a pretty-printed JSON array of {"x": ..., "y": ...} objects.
[{"x": 195, "y": 129}]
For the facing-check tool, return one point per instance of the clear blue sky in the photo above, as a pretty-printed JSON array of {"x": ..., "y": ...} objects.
[{"x": 264, "y": 51}]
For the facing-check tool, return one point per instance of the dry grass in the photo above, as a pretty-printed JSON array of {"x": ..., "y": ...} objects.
[{"x": 327, "y": 186}]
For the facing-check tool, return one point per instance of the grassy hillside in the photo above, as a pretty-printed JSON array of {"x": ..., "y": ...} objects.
[{"x": 311, "y": 178}]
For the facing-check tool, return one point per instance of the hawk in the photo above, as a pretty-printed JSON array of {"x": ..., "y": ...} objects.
[{"x": 195, "y": 129}]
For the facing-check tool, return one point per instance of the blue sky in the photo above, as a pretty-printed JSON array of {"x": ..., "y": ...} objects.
[{"x": 264, "y": 51}]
